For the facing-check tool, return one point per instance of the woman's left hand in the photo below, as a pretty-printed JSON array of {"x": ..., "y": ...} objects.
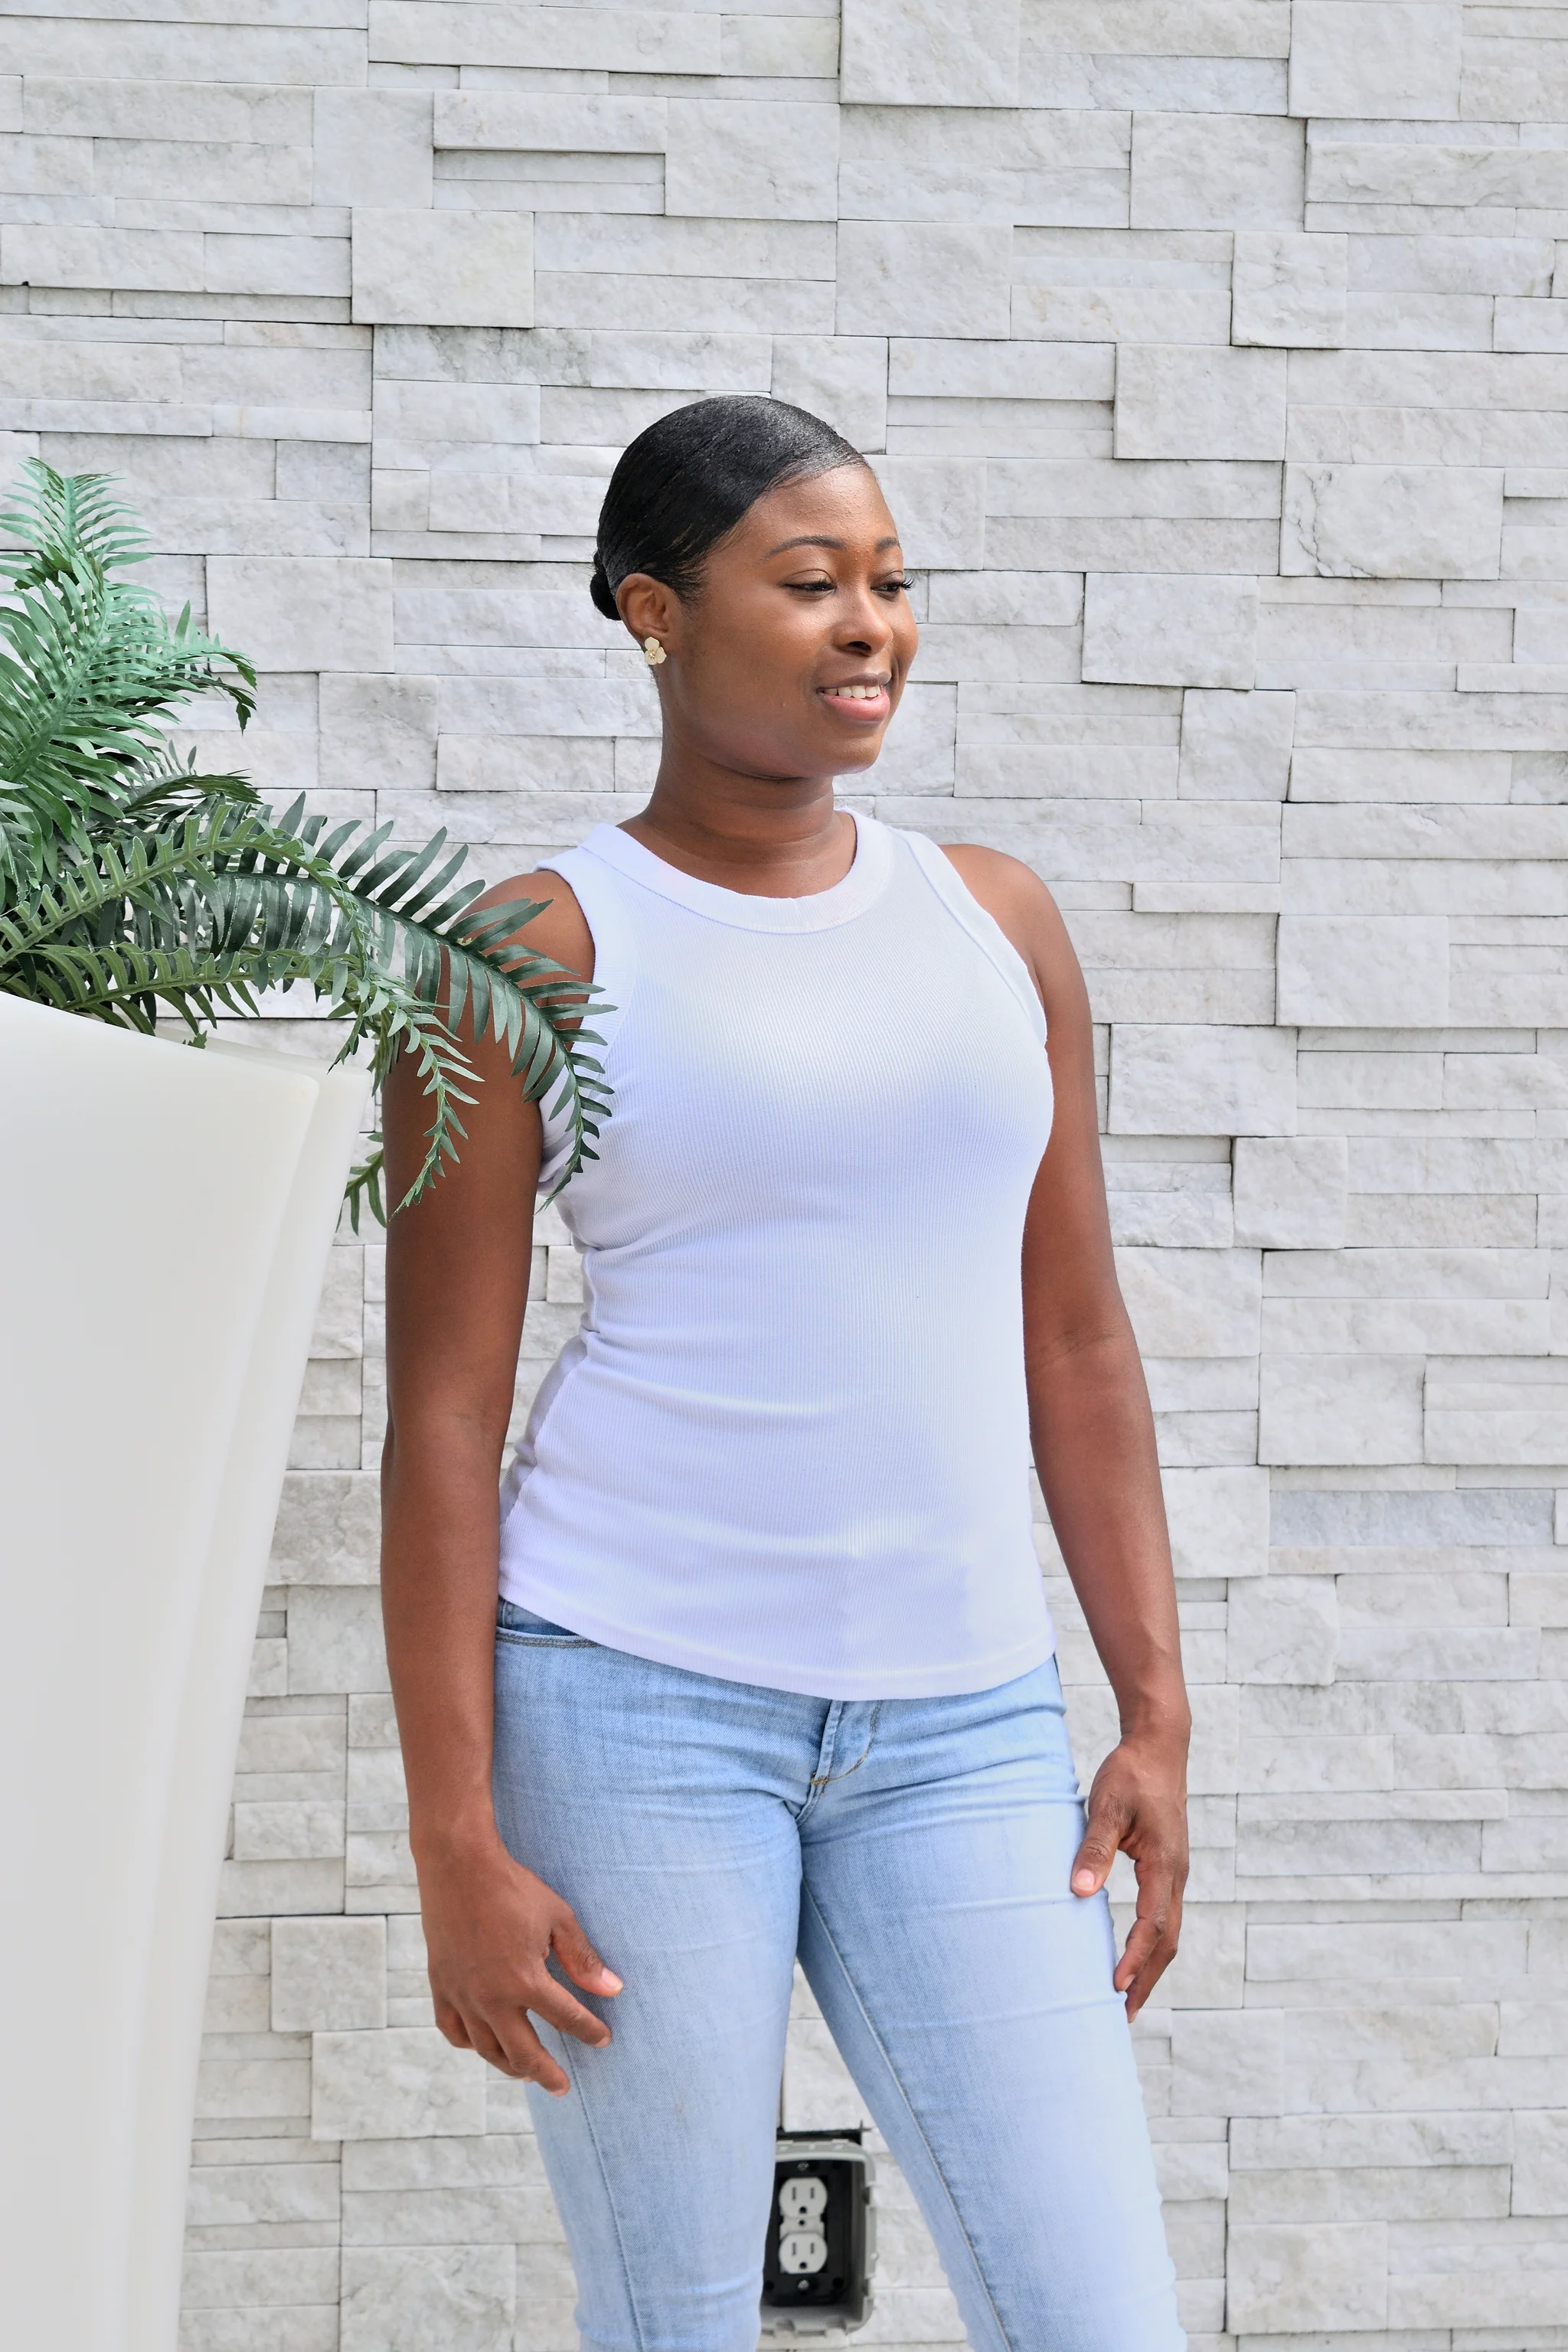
[{"x": 1138, "y": 1805}]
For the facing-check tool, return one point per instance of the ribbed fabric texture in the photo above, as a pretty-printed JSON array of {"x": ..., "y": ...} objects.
[{"x": 789, "y": 1443}]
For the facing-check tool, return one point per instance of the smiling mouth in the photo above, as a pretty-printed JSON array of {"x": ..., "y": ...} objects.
[{"x": 865, "y": 700}]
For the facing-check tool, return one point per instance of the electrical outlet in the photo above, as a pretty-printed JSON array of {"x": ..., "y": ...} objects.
[{"x": 820, "y": 2248}]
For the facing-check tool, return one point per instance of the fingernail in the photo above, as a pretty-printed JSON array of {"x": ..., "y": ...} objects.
[
  {"x": 609, "y": 1977},
  {"x": 1083, "y": 1882}
]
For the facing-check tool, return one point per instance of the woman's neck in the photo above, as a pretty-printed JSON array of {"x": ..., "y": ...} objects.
[{"x": 786, "y": 840}]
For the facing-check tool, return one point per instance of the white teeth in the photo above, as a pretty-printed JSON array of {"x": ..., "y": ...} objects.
[{"x": 856, "y": 693}]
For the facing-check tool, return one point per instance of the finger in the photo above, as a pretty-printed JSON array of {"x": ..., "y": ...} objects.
[
  {"x": 1143, "y": 1940},
  {"x": 1149, "y": 1975},
  {"x": 523, "y": 2055},
  {"x": 1151, "y": 1940},
  {"x": 555, "y": 2005},
  {"x": 1101, "y": 1844},
  {"x": 450, "y": 2021},
  {"x": 580, "y": 1960}
]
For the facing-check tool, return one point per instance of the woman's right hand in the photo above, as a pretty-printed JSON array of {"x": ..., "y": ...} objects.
[{"x": 491, "y": 1927}]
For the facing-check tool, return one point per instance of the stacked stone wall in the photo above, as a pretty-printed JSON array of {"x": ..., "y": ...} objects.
[{"x": 1214, "y": 356}]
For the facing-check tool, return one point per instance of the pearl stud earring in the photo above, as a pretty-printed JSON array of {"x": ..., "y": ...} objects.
[{"x": 652, "y": 652}]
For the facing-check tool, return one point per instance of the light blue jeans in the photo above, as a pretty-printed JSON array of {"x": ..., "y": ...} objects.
[{"x": 916, "y": 1853}]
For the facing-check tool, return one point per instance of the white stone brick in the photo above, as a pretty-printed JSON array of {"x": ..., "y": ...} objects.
[
  {"x": 1181, "y": 1079},
  {"x": 929, "y": 52},
  {"x": 399, "y": 2297},
  {"x": 1296, "y": 2275},
  {"x": 326, "y": 613},
  {"x": 564, "y": 40},
  {"x": 751, "y": 160},
  {"x": 222, "y": 113},
  {"x": 1392, "y": 522},
  {"x": 1217, "y": 171},
  {"x": 539, "y": 121},
  {"x": 1226, "y": 2062},
  {"x": 1336, "y": 1409},
  {"x": 372, "y": 147},
  {"x": 328, "y": 1528},
  {"x": 1236, "y": 747},
  {"x": 939, "y": 507},
  {"x": 1192, "y": 400},
  {"x": 405, "y": 2083},
  {"x": 335, "y": 1641},
  {"x": 1283, "y": 1629},
  {"x": 1289, "y": 287},
  {"x": 923, "y": 277},
  {"x": 163, "y": 261},
  {"x": 1391, "y": 58},
  {"x": 1218, "y": 1521},
  {"x": 443, "y": 268},
  {"x": 843, "y": 378},
  {"x": 1512, "y": 1410},
  {"x": 1193, "y": 1302},
  {"x": 377, "y": 732},
  {"x": 1291, "y": 1194},
  {"x": 1359, "y": 972},
  {"x": 328, "y": 1975},
  {"x": 1168, "y": 629},
  {"x": 1541, "y": 2163}
]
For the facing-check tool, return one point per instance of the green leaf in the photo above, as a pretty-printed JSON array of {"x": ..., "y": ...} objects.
[{"x": 134, "y": 886}]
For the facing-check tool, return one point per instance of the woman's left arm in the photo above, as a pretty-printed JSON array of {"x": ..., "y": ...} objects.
[{"x": 1094, "y": 1448}]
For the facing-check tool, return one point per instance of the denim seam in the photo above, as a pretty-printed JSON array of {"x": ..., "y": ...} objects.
[
  {"x": 828, "y": 1780},
  {"x": 898, "y": 2085},
  {"x": 825, "y": 1748},
  {"x": 545, "y": 1640},
  {"x": 576, "y": 2081}
]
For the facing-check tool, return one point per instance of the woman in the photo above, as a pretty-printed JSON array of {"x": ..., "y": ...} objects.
[{"x": 773, "y": 1670}]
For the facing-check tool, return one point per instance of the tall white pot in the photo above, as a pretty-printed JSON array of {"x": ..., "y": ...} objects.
[{"x": 163, "y": 1220}]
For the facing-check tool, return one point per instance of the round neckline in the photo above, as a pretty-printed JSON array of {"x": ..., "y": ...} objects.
[{"x": 820, "y": 910}]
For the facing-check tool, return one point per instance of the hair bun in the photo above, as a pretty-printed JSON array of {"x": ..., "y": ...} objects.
[{"x": 600, "y": 590}]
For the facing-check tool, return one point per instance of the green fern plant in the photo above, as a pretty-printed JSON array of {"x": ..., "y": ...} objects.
[{"x": 132, "y": 887}]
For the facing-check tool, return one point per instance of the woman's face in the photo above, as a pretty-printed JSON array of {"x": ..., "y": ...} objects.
[{"x": 789, "y": 662}]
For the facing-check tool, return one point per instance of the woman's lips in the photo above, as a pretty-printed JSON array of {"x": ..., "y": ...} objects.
[{"x": 865, "y": 706}]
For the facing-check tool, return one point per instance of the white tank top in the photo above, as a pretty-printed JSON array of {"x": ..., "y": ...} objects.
[{"x": 789, "y": 1443}]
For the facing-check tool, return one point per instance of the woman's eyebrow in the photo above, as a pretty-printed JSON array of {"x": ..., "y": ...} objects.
[{"x": 817, "y": 539}]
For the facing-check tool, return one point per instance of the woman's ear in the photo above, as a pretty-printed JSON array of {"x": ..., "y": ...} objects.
[{"x": 648, "y": 607}]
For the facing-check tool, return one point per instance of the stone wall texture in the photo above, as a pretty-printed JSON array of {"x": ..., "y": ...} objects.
[{"x": 1214, "y": 356}]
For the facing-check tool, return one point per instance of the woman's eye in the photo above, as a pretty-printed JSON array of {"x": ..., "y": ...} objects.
[
  {"x": 812, "y": 587},
  {"x": 894, "y": 587}
]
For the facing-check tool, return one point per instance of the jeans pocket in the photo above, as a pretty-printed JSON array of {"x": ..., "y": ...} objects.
[{"x": 528, "y": 1632}]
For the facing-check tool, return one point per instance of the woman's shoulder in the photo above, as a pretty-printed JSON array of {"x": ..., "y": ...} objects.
[
  {"x": 1022, "y": 908},
  {"x": 559, "y": 930}
]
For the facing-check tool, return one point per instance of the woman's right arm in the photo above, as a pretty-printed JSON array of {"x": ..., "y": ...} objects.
[{"x": 456, "y": 1277}]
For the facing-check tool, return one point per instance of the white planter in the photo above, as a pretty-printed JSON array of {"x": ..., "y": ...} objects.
[{"x": 165, "y": 1217}]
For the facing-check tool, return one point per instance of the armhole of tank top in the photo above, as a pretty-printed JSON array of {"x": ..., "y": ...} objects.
[
  {"x": 979, "y": 922},
  {"x": 592, "y": 884}
]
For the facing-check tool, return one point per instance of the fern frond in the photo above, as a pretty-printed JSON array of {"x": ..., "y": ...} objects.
[{"x": 132, "y": 887}]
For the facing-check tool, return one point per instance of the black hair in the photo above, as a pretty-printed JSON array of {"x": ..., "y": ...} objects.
[{"x": 684, "y": 483}]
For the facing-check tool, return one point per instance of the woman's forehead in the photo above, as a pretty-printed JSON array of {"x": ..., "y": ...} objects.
[{"x": 845, "y": 504}]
